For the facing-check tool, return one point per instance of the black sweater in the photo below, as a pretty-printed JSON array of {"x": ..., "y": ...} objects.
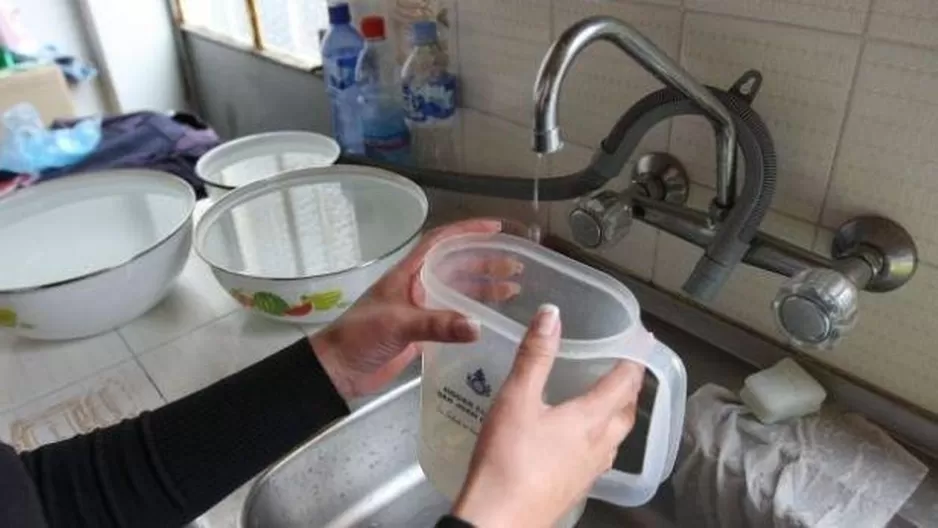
[{"x": 166, "y": 467}]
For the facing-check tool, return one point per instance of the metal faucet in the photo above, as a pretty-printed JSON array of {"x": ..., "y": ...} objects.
[
  {"x": 819, "y": 303},
  {"x": 563, "y": 52}
]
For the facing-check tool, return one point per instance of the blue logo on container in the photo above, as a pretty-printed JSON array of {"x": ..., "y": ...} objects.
[{"x": 478, "y": 383}]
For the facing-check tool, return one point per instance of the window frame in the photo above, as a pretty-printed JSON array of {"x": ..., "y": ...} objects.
[{"x": 255, "y": 47}]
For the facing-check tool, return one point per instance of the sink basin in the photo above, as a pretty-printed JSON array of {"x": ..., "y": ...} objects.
[{"x": 363, "y": 472}]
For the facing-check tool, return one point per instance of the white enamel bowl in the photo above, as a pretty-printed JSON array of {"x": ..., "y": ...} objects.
[
  {"x": 254, "y": 158},
  {"x": 302, "y": 246},
  {"x": 88, "y": 253}
]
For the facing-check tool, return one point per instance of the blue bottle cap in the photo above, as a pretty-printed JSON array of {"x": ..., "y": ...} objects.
[
  {"x": 340, "y": 14},
  {"x": 424, "y": 32}
]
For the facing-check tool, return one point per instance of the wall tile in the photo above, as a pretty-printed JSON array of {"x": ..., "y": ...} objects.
[
  {"x": 527, "y": 20},
  {"x": 604, "y": 82},
  {"x": 803, "y": 99},
  {"x": 29, "y": 369},
  {"x": 748, "y": 295},
  {"x": 498, "y": 147},
  {"x": 103, "y": 399},
  {"x": 888, "y": 161},
  {"x": 498, "y": 74},
  {"x": 845, "y": 15},
  {"x": 912, "y": 21},
  {"x": 215, "y": 351}
]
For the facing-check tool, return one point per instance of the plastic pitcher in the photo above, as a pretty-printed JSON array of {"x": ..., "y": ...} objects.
[{"x": 601, "y": 325}]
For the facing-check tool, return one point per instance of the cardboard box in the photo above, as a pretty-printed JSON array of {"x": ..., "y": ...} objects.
[{"x": 43, "y": 86}]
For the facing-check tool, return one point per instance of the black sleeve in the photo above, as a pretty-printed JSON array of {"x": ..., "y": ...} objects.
[
  {"x": 167, "y": 467},
  {"x": 452, "y": 522}
]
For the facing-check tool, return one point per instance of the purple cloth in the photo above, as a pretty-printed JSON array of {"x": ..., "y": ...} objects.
[{"x": 147, "y": 140}]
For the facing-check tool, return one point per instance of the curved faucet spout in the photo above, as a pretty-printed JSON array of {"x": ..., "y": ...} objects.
[{"x": 564, "y": 51}]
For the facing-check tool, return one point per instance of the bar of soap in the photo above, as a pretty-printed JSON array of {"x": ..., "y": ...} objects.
[{"x": 782, "y": 392}]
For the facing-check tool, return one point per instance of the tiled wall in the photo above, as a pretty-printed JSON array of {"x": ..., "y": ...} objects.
[{"x": 850, "y": 95}]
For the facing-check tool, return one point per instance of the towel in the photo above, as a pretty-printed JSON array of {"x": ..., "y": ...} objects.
[{"x": 831, "y": 469}]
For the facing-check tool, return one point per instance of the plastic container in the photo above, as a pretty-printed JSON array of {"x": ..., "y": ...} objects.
[
  {"x": 341, "y": 48},
  {"x": 386, "y": 135},
  {"x": 601, "y": 325},
  {"x": 430, "y": 100},
  {"x": 254, "y": 158}
]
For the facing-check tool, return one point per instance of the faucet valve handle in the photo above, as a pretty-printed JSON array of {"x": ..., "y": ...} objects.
[
  {"x": 601, "y": 219},
  {"x": 816, "y": 308}
]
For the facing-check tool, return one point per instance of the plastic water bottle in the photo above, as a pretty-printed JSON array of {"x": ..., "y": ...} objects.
[
  {"x": 430, "y": 100},
  {"x": 340, "y": 51},
  {"x": 387, "y": 137}
]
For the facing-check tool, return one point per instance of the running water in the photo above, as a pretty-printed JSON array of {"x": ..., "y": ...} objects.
[{"x": 540, "y": 171}]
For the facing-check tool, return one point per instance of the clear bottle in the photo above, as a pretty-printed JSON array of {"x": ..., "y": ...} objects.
[
  {"x": 341, "y": 48},
  {"x": 386, "y": 135},
  {"x": 430, "y": 100}
]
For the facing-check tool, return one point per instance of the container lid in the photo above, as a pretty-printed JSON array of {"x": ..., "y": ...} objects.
[
  {"x": 599, "y": 314},
  {"x": 373, "y": 27},
  {"x": 260, "y": 156},
  {"x": 311, "y": 222},
  {"x": 87, "y": 224},
  {"x": 424, "y": 32}
]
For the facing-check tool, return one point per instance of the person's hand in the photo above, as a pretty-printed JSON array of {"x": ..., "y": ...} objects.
[
  {"x": 533, "y": 463},
  {"x": 371, "y": 343}
]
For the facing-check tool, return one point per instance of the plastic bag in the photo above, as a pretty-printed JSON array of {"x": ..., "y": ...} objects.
[{"x": 29, "y": 147}]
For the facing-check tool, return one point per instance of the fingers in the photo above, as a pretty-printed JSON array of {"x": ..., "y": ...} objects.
[
  {"x": 537, "y": 352},
  {"x": 616, "y": 390},
  {"x": 440, "y": 326},
  {"x": 487, "y": 290},
  {"x": 414, "y": 260}
]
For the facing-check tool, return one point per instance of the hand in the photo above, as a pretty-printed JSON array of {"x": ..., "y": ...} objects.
[
  {"x": 371, "y": 343},
  {"x": 533, "y": 463}
]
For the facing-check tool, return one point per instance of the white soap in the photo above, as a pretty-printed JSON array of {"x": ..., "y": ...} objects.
[{"x": 781, "y": 392}]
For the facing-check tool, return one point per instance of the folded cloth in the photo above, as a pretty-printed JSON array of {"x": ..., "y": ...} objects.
[{"x": 831, "y": 469}]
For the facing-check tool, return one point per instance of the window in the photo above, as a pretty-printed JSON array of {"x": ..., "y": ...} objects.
[{"x": 288, "y": 28}]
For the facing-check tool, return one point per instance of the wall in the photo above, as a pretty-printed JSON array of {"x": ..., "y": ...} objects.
[
  {"x": 849, "y": 95},
  {"x": 240, "y": 93},
  {"x": 60, "y": 23},
  {"x": 137, "y": 50}
]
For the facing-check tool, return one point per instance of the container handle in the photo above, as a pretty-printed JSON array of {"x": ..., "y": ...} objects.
[{"x": 664, "y": 434}]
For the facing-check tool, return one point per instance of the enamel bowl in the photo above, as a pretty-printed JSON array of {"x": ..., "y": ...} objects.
[
  {"x": 88, "y": 253},
  {"x": 253, "y": 158},
  {"x": 303, "y": 245}
]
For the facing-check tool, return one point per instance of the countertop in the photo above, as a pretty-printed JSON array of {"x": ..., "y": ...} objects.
[{"x": 198, "y": 335}]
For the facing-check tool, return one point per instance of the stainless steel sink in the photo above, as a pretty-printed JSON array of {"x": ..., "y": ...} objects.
[{"x": 363, "y": 472}]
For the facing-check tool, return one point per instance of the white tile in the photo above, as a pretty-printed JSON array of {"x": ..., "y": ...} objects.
[
  {"x": 497, "y": 147},
  {"x": 604, "y": 82},
  {"x": 120, "y": 392},
  {"x": 807, "y": 76},
  {"x": 636, "y": 252},
  {"x": 214, "y": 352},
  {"x": 843, "y": 15},
  {"x": 747, "y": 296},
  {"x": 498, "y": 74},
  {"x": 29, "y": 369},
  {"x": 527, "y": 20},
  {"x": 912, "y": 21},
  {"x": 195, "y": 300},
  {"x": 888, "y": 161}
]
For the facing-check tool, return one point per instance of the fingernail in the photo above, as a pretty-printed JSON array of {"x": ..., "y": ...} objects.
[
  {"x": 517, "y": 267},
  {"x": 468, "y": 329},
  {"x": 548, "y": 317}
]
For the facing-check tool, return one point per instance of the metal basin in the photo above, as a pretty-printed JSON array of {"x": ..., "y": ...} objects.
[{"x": 363, "y": 472}]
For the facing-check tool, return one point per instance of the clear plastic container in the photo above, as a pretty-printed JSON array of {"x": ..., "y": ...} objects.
[{"x": 601, "y": 325}]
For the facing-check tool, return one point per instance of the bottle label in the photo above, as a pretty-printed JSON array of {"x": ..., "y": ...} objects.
[
  {"x": 342, "y": 73},
  {"x": 432, "y": 100}
]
